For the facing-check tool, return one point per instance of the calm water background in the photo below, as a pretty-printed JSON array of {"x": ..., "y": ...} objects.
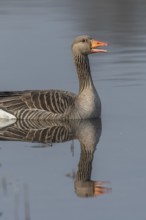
[{"x": 35, "y": 39}]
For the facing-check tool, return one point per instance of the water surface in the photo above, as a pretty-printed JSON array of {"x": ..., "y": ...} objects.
[{"x": 35, "y": 54}]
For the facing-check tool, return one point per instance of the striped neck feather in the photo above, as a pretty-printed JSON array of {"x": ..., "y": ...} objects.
[{"x": 83, "y": 71}]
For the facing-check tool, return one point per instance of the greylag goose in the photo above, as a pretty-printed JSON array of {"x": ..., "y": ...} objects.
[{"x": 56, "y": 104}]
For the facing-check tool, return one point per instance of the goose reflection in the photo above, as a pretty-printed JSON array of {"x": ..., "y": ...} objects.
[{"x": 87, "y": 132}]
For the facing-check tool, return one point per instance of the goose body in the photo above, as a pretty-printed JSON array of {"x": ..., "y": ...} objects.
[{"x": 56, "y": 104}]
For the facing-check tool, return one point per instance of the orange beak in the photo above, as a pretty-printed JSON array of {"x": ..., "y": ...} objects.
[{"x": 95, "y": 43}]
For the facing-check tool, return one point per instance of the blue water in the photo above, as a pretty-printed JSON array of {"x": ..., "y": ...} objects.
[{"x": 35, "y": 53}]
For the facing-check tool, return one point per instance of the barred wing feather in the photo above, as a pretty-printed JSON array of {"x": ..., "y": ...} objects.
[{"x": 37, "y": 104}]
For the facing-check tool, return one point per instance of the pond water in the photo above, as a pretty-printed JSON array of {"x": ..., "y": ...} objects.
[{"x": 45, "y": 181}]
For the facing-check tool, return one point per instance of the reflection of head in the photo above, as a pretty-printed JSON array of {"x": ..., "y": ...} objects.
[
  {"x": 90, "y": 189},
  {"x": 84, "y": 189}
]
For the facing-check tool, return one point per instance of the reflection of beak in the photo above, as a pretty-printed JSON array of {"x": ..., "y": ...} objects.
[
  {"x": 100, "y": 188},
  {"x": 95, "y": 43}
]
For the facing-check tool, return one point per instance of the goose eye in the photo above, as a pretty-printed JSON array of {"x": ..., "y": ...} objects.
[{"x": 83, "y": 40}]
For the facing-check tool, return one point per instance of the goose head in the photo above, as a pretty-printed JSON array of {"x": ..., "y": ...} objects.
[{"x": 87, "y": 45}]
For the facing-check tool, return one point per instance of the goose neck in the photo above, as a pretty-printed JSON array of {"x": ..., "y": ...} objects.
[{"x": 83, "y": 71}]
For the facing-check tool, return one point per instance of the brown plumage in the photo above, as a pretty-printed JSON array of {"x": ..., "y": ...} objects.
[{"x": 52, "y": 104}]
